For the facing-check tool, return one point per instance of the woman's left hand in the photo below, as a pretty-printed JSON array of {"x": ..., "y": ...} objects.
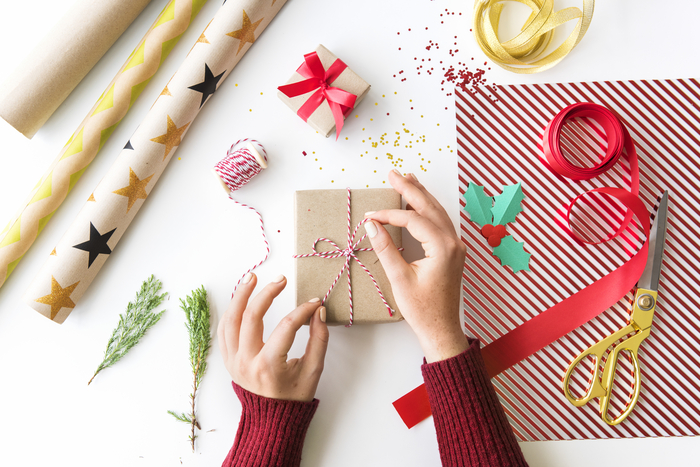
[{"x": 262, "y": 367}]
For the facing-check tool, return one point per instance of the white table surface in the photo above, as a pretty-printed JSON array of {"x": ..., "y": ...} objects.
[{"x": 189, "y": 233}]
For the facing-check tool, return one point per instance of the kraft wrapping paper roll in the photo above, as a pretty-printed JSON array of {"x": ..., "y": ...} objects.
[
  {"x": 68, "y": 52},
  {"x": 94, "y": 234},
  {"x": 93, "y": 132}
]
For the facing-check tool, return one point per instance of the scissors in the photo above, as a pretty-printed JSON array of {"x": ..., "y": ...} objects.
[{"x": 638, "y": 329}]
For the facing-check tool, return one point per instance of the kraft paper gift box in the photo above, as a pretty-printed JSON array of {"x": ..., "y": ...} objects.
[
  {"x": 323, "y": 214},
  {"x": 322, "y": 119}
]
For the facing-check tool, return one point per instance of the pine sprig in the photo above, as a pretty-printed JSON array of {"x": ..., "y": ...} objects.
[
  {"x": 133, "y": 324},
  {"x": 198, "y": 326}
]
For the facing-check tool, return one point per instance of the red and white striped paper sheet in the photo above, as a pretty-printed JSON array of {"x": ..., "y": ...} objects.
[{"x": 499, "y": 143}]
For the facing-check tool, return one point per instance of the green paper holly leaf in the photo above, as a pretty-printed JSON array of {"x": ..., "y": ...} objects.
[
  {"x": 478, "y": 204},
  {"x": 513, "y": 254},
  {"x": 507, "y": 204}
]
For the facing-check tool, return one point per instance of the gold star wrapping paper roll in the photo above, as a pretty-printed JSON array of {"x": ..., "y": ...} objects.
[
  {"x": 47, "y": 76},
  {"x": 93, "y": 132},
  {"x": 83, "y": 250}
]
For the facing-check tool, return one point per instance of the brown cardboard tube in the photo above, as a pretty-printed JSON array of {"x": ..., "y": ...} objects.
[{"x": 31, "y": 94}]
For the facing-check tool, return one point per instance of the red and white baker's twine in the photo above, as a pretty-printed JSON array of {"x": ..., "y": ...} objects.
[
  {"x": 349, "y": 254},
  {"x": 236, "y": 169}
]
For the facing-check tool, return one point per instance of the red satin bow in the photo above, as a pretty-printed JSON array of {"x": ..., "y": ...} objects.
[{"x": 317, "y": 78}]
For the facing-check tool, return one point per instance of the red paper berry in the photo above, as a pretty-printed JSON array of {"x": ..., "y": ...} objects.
[
  {"x": 487, "y": 230},
  {"x": 494, "y": 241},
  {"x": 499, "y": 230}
]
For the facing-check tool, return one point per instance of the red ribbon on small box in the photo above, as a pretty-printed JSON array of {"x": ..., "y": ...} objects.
[{"x": 340, "y": 101}]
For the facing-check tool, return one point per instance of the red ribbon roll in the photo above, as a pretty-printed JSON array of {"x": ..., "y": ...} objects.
[
  {"x": 317, "y": 78},
  {"x": 586, "y": 304}
]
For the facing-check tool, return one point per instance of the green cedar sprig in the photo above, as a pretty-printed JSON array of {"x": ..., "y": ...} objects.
[
  {"x": 133, "y": 324},
  {"x": 198, "y": 326}
]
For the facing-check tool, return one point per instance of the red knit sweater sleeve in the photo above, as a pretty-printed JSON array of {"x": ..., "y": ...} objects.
[
  {"x": 472, "y": 428},
  {"x": 271, "y": 432}
]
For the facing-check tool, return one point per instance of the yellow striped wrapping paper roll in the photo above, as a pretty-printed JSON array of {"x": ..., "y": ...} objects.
[
  {"x": 93, "y": 132},
  {"x": 47, "y": 75},
  {"x": 94, "y": 234}
]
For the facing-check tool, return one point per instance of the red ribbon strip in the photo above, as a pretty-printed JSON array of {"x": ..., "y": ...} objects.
[
  {"x": 586, "y": 304},
  {"x": 317, "y": 78}
]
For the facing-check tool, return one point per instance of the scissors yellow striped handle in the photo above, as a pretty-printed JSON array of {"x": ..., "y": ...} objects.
[
  {"x": 602, "y": 387},
  {"x": 632, "y": 335}
]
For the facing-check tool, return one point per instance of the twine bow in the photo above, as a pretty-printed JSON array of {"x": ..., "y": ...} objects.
[
  {"x": 349, "y": 254},
  {"x": 317, "y": 78}
]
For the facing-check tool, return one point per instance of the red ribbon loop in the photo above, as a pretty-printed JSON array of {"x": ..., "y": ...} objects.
[
  {"x": 586, "y": 304},
  {"x": 619, "y": 143},
  {"x": 317, "y": 78}
]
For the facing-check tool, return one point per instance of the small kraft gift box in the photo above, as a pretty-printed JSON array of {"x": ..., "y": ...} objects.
[
  {"x": 331, "y": 242},
  {"x": 323, "y": 91}
]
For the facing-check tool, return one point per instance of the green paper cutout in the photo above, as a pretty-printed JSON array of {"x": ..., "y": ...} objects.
[
  {"x": 507, "y": 205},
  {"x": 478, "y": 204},
  {"x": 513, "y": 254}
]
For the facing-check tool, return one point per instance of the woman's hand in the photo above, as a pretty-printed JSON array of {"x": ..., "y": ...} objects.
[
  {"x": 263, "y": 368},
  {"x": 427, "y": 291}
]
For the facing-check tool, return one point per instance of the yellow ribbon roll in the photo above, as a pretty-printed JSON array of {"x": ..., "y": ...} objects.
[
  {"x": 523, "y": 53},
  {"x": 94, "y": 131}
]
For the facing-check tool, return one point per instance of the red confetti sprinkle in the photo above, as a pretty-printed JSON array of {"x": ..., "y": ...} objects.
[{"x": 303, "y": 152}]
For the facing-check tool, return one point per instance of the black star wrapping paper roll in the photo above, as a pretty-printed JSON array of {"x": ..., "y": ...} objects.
[{"x": 94, "y": 234}]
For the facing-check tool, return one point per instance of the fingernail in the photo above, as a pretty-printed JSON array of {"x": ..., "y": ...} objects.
[
  {"x": 322, "y": 313},
  {"x": 413, "y": 176},
  {"x": 371, "y": 229},
  {"x": 397, "y": 173},
  {"x": 247, "y": 278},
  {"x": 367, "y": 214},
  {"x": 278, "y": 279},
  {"x": 315, "y": 299}
]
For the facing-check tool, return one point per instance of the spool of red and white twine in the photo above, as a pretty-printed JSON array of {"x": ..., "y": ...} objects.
[{"x": 245, "y": 159}]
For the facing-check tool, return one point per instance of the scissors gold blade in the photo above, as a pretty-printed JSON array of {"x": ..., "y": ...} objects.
[{"x": 632, "y": 335}]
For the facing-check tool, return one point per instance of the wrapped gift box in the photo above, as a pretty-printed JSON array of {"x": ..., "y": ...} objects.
[
  {"x": 322, "y": 119},
  {"x": 323, "y": 214}
]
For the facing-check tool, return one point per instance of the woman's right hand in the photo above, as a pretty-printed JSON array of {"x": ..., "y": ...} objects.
[{"x": 427, "y": 291}]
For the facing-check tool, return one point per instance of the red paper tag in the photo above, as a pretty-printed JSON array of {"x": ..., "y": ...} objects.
[{"x": 414, "y": 407}]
